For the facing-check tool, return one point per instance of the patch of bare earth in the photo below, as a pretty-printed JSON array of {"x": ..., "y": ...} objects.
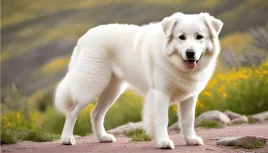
[{"x": 123, "y": 144}]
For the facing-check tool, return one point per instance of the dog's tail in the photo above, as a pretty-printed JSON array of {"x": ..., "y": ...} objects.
[{"x": 62, "y": 98}]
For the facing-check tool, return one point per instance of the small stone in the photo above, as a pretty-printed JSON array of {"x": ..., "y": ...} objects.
[
  {"x": 240, "y": 140},
  {"x": 240, "y": 120},
  {"x": 213, "y": 115},
  {"x": 261, "y": 117},
  {"x": 77, "y": 136},
  {"x": 126, "y": 128},
  {"x": 175, "y": 127},
  {"x": 231, "y": 115}
]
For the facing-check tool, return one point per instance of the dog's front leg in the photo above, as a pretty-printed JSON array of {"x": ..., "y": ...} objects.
[
  {"x": 187, "y": 118},
  {"x": 160, "y": 110}
]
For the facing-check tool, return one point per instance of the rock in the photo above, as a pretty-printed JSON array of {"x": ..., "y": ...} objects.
[
  {"x": 77, "y": 136},
  {"x": 175, "y": 127},
  {"x": 261, "y": 117},
  {"x": 240, "y": 140},
  {"x": 231, "y": 115},
  {"x": 235, "y": 117},
  {"x": 239, "y": 120},
  {"x": 126, "y": 128},
  {"x": 213, "y": 115}
]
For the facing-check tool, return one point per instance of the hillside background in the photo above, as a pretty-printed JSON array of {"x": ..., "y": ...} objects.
[{"x": 38, "y": 38}]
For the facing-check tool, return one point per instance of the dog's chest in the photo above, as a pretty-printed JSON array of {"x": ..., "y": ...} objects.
[{"x": 180, "y": 87}]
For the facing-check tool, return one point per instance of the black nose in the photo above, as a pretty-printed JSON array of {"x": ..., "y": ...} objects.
[{"x": 190, "y": 53}]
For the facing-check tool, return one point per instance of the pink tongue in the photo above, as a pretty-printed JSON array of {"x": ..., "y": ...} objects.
[{"x": 191, "y": 65}]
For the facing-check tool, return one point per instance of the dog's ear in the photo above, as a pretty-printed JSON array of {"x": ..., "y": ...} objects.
[
  {"x": 214, "y": 25},
  {"x": 168, "y": 24}
]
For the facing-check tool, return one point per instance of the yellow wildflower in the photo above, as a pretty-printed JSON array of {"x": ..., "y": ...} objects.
[
  {"x": 224, "y": 95},
  {"x": 206, "y": 93},
  {"x": 266, "y": 63},
  {"x": 199, "y": 104},
  {"x": 241, "y": 75},
  {"x": 221, "y": 89},
  {"x": 174, "y": 109},
  {"x": 91, "y": 107},
  {"x": 235, "y": 84},
  {"x": 18, "y": 115},
  {"x": 258, "y": 72}
]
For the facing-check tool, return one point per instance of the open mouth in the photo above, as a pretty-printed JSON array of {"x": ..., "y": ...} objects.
[{"x": 191, "y": 63}]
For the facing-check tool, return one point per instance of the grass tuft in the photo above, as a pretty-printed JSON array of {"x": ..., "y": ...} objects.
[
  {"x": 138, "y": 135},
  {"x": 252, "y": 145},
  {"x": 12, "y": 136},
  {"x": 251, "y": 120},
  {"x": 8, "y": 137},
  {"x": 39, "y": 136},
  {"x": 210, "y": 124}
]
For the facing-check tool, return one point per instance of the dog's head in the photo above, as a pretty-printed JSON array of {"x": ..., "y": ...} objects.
[{"x": 191, "y": 40}]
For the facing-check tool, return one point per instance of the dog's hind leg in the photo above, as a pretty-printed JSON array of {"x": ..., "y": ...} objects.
[
  {"x": 86, "y": 95},
  {"x": 106, "y": 100},
  {"x": 67, "y": 133},
  {"x": 82, "y": 85}
]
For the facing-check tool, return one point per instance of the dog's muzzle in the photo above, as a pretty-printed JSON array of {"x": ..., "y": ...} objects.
[{"x": 191, "y": 62}]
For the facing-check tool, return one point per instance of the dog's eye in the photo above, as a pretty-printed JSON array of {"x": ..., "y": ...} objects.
[
  {"x": 182, "y": 37},
  {"x": 198, "y": 37}
]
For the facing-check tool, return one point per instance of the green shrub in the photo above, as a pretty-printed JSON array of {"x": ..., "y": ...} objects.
[
  {"x": 7, "y": 137},
  {"x": 39, "y": 136},
  {"x": 54, "y": 121},
  {"x": 10, "y": 135},
  {"x": 210, "y": 124},
  {"x": 243, "y": 91},
  {"x": 251, "y": 120},
  {"x": 138, "y": 135},
  {"x": 253, "y": 145}
]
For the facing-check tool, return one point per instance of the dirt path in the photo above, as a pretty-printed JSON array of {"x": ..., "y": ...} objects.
[{"x": 124, "y": 145}]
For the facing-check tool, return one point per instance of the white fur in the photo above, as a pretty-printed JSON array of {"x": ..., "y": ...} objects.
[{"x": 148, "y": 59}]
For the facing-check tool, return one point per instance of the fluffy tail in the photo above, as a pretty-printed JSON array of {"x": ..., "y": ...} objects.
[{"x": 63, "y": 101}]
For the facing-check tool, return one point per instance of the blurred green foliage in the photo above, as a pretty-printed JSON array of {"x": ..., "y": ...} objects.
[
  {"x": 243, "y": 91},
  {"x": 11, "y": 134},
  {"x": 210, "y": 124},
  {"x": 138, "y": 135}
]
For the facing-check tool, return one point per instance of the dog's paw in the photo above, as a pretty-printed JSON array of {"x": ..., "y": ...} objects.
[
  {"x": 67, "y": 140},
  {"x": 107, "y": 138},
  {"x": 165, "y": 144},
  {"x": 194, "y": 141}
]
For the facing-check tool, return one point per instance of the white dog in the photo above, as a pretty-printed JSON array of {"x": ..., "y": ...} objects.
[{"x": 167, "y": 61}]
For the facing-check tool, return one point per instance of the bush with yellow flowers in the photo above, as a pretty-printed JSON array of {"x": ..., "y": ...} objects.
[
  {"x": 22, "y": 120},
  {"x": 243, "y": 91}
]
